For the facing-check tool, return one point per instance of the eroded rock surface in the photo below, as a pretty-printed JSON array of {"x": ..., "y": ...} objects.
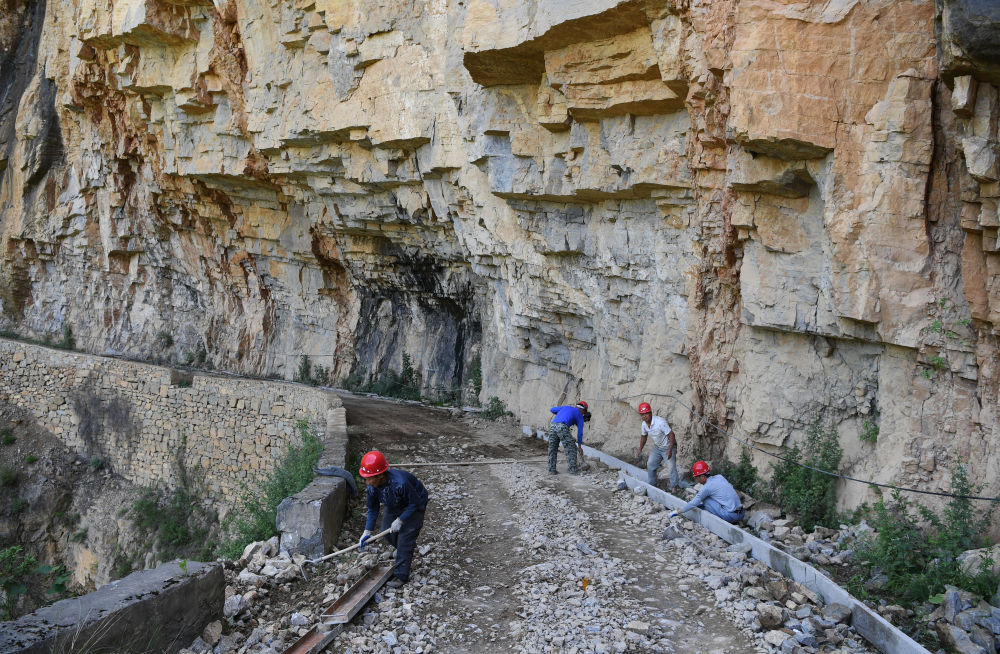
[{"x": 777, "y": 213}]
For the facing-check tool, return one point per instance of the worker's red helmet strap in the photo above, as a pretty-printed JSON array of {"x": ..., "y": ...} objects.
[{"x": 372, "y": 464}]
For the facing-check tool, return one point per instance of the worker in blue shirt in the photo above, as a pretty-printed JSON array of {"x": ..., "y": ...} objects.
[
  {"x": 717, "y": 496},
  {"x": 405, "y": 500},
  {"x": 559, "y": 431}
]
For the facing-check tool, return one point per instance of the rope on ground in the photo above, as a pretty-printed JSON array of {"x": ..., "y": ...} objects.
[{"x": 808, "y": 467}]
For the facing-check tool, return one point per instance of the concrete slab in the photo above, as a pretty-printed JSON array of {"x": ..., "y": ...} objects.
[{"x": 159, "y": 610}]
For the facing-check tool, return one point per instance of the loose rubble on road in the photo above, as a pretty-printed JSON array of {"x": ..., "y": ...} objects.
[{"x": 555, "y": 589}]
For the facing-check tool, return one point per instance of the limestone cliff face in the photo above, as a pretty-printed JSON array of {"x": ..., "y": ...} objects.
[{"x": 777, "y": 212}]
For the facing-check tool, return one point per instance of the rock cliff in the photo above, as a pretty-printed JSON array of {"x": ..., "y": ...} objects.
[{"x": 777, "y": 212}]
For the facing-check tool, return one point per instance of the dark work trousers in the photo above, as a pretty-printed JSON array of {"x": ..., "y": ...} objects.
[{"x": 404, "y": 541}]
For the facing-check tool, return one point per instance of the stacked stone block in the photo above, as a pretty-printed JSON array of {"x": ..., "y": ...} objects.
[{"x": 145, "y": 421}]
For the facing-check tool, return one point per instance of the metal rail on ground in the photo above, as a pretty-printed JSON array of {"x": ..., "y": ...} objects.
[{"x": 340, "y": 612}]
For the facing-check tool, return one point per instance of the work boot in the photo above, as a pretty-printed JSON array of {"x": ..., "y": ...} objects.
[
  {"x": 395, "y": 582},
  {"x": 553, "y": 472},
  {"x": 574, "y": 472}
]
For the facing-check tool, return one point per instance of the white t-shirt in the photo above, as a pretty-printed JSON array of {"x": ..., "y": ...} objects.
[{"x": 659, "y": 430}]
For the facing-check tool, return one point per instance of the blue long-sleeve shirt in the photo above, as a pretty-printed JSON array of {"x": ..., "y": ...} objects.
[
  {"x": 570, "y": 415},
  {"x": 721, "y": 491},
  {"x": 401, "y": 492}
]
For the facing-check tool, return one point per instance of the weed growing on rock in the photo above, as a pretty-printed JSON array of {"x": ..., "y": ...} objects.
[
  {"x": 811, "y": 495},
  {"x": 31, "y": 458},
  {"x": 7, "y": 437},
  {"x": 9, "y": 476},
  {"x": 67, "y": 342},
  {"x": 917, "y": 549},
  {"x": 254, "y": 519},
  {"x": 22, "y": 579},
  {"x": 495, "y": 409},
  {"x": 869, "y": 432}
]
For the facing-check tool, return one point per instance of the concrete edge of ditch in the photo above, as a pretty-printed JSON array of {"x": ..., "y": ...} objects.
[
  {"x": 309, "y": 522},
  {"x": 873, "y": 627}
]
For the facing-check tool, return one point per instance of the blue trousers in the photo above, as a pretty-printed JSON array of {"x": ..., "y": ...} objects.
[
  {"x": 404, "y": 540},
  {"x": 656, "y": 457},
  {"x": 716, "y": 509}
]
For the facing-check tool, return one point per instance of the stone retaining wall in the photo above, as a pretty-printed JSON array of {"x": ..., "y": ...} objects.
[{"x": 144, "y": 420}]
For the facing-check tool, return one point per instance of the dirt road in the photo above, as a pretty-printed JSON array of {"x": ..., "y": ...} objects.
[{"x": 513, "y": 559}]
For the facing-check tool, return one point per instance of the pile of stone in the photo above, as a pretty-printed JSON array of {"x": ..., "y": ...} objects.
[
  {"x": 780, "y": 614},
  {"x": 965, "y": 624}
]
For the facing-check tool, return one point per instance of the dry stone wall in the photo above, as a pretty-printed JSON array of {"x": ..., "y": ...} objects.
[
  {"x": 144, "y": 420},
  {"x": 779, "y": 213}
]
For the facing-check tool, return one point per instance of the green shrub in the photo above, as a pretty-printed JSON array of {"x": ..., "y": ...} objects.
[
  {"x": 303, "y": 373},
  {"x": 20, "y": 573},
  {"x": 476, "y": 376},
  {"x": 869, "y": 432},
  {"x": 7, "y": 437},
  {"x": 31, "y": 458},
  {"x": 495, "y": 409},
  {"x": 176, "y": 521},
  {"x": 8, "y": 476},
  {"x": 18, "y": 504},
  {"x": 67, "y": 342},
  {"x": 254, "y": 519},
  {"x": 743, "y": 476},
  {"x": 809, "y": 494},
  {"x": 96, "y": 463},
  {"x": 918, "y": 549},
  {"x": 164, "y": 340}
]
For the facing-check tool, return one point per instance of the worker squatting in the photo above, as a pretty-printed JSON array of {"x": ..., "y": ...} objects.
[{"x": 405, "y": 498}]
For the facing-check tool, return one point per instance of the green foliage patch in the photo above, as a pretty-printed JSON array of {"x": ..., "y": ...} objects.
[
  {"x": 254, "y": 518},
  {"x": 21, "y": 578},
  {"x": 809, "y": 494},
  {"x": 918, "y": 549},
  {"x": 495, "y": 409},
  {"x": 742, "y": 475}
]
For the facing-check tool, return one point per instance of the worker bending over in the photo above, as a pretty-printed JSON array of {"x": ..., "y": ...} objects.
[
  {"x": 717, "y": 496},
  {"x": 559, "y": 431},
  {"x": 405, "y": 500}
]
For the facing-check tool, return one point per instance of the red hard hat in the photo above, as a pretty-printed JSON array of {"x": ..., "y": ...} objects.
[
  {"x": 645, "y": 408},
  {"x": 372, "y": 464},
  {"x": 699, "y": 468},
  {"x": 583, "y": 405}
]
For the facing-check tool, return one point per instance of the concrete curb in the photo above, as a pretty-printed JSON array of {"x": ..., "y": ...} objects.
[{"x": 873, "y": 627}]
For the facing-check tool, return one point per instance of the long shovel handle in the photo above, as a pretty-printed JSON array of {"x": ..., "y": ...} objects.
[{"x": 349, "y": 549}]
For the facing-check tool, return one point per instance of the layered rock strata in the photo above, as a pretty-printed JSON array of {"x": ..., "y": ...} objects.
[{"x": 778, "y": 213}]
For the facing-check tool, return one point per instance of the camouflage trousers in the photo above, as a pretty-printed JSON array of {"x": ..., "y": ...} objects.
[{"x": 559, "y": 431}]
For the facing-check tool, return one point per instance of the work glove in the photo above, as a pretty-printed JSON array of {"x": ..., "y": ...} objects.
[
  {"x": 674, "y": 514},
  {"x": 396, "y": 525},
  {"x": 365, "y": 536}
]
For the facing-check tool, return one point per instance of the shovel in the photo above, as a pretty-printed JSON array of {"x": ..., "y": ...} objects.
[{"x": 371, "y": 539}]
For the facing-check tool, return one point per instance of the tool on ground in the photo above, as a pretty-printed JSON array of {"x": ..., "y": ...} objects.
[
  {"x": 583, "y": 462},
  {"x": 417, "y": 464},
  {"x": 371, "y": 539}
]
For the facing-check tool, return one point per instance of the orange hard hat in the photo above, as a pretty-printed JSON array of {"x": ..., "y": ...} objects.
[
  {"x": 645, "y": 408},
  {"x": 583, "y": 405},
  {"x": 699, "y": 468},
  {"x": 372, "y": 464}
]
